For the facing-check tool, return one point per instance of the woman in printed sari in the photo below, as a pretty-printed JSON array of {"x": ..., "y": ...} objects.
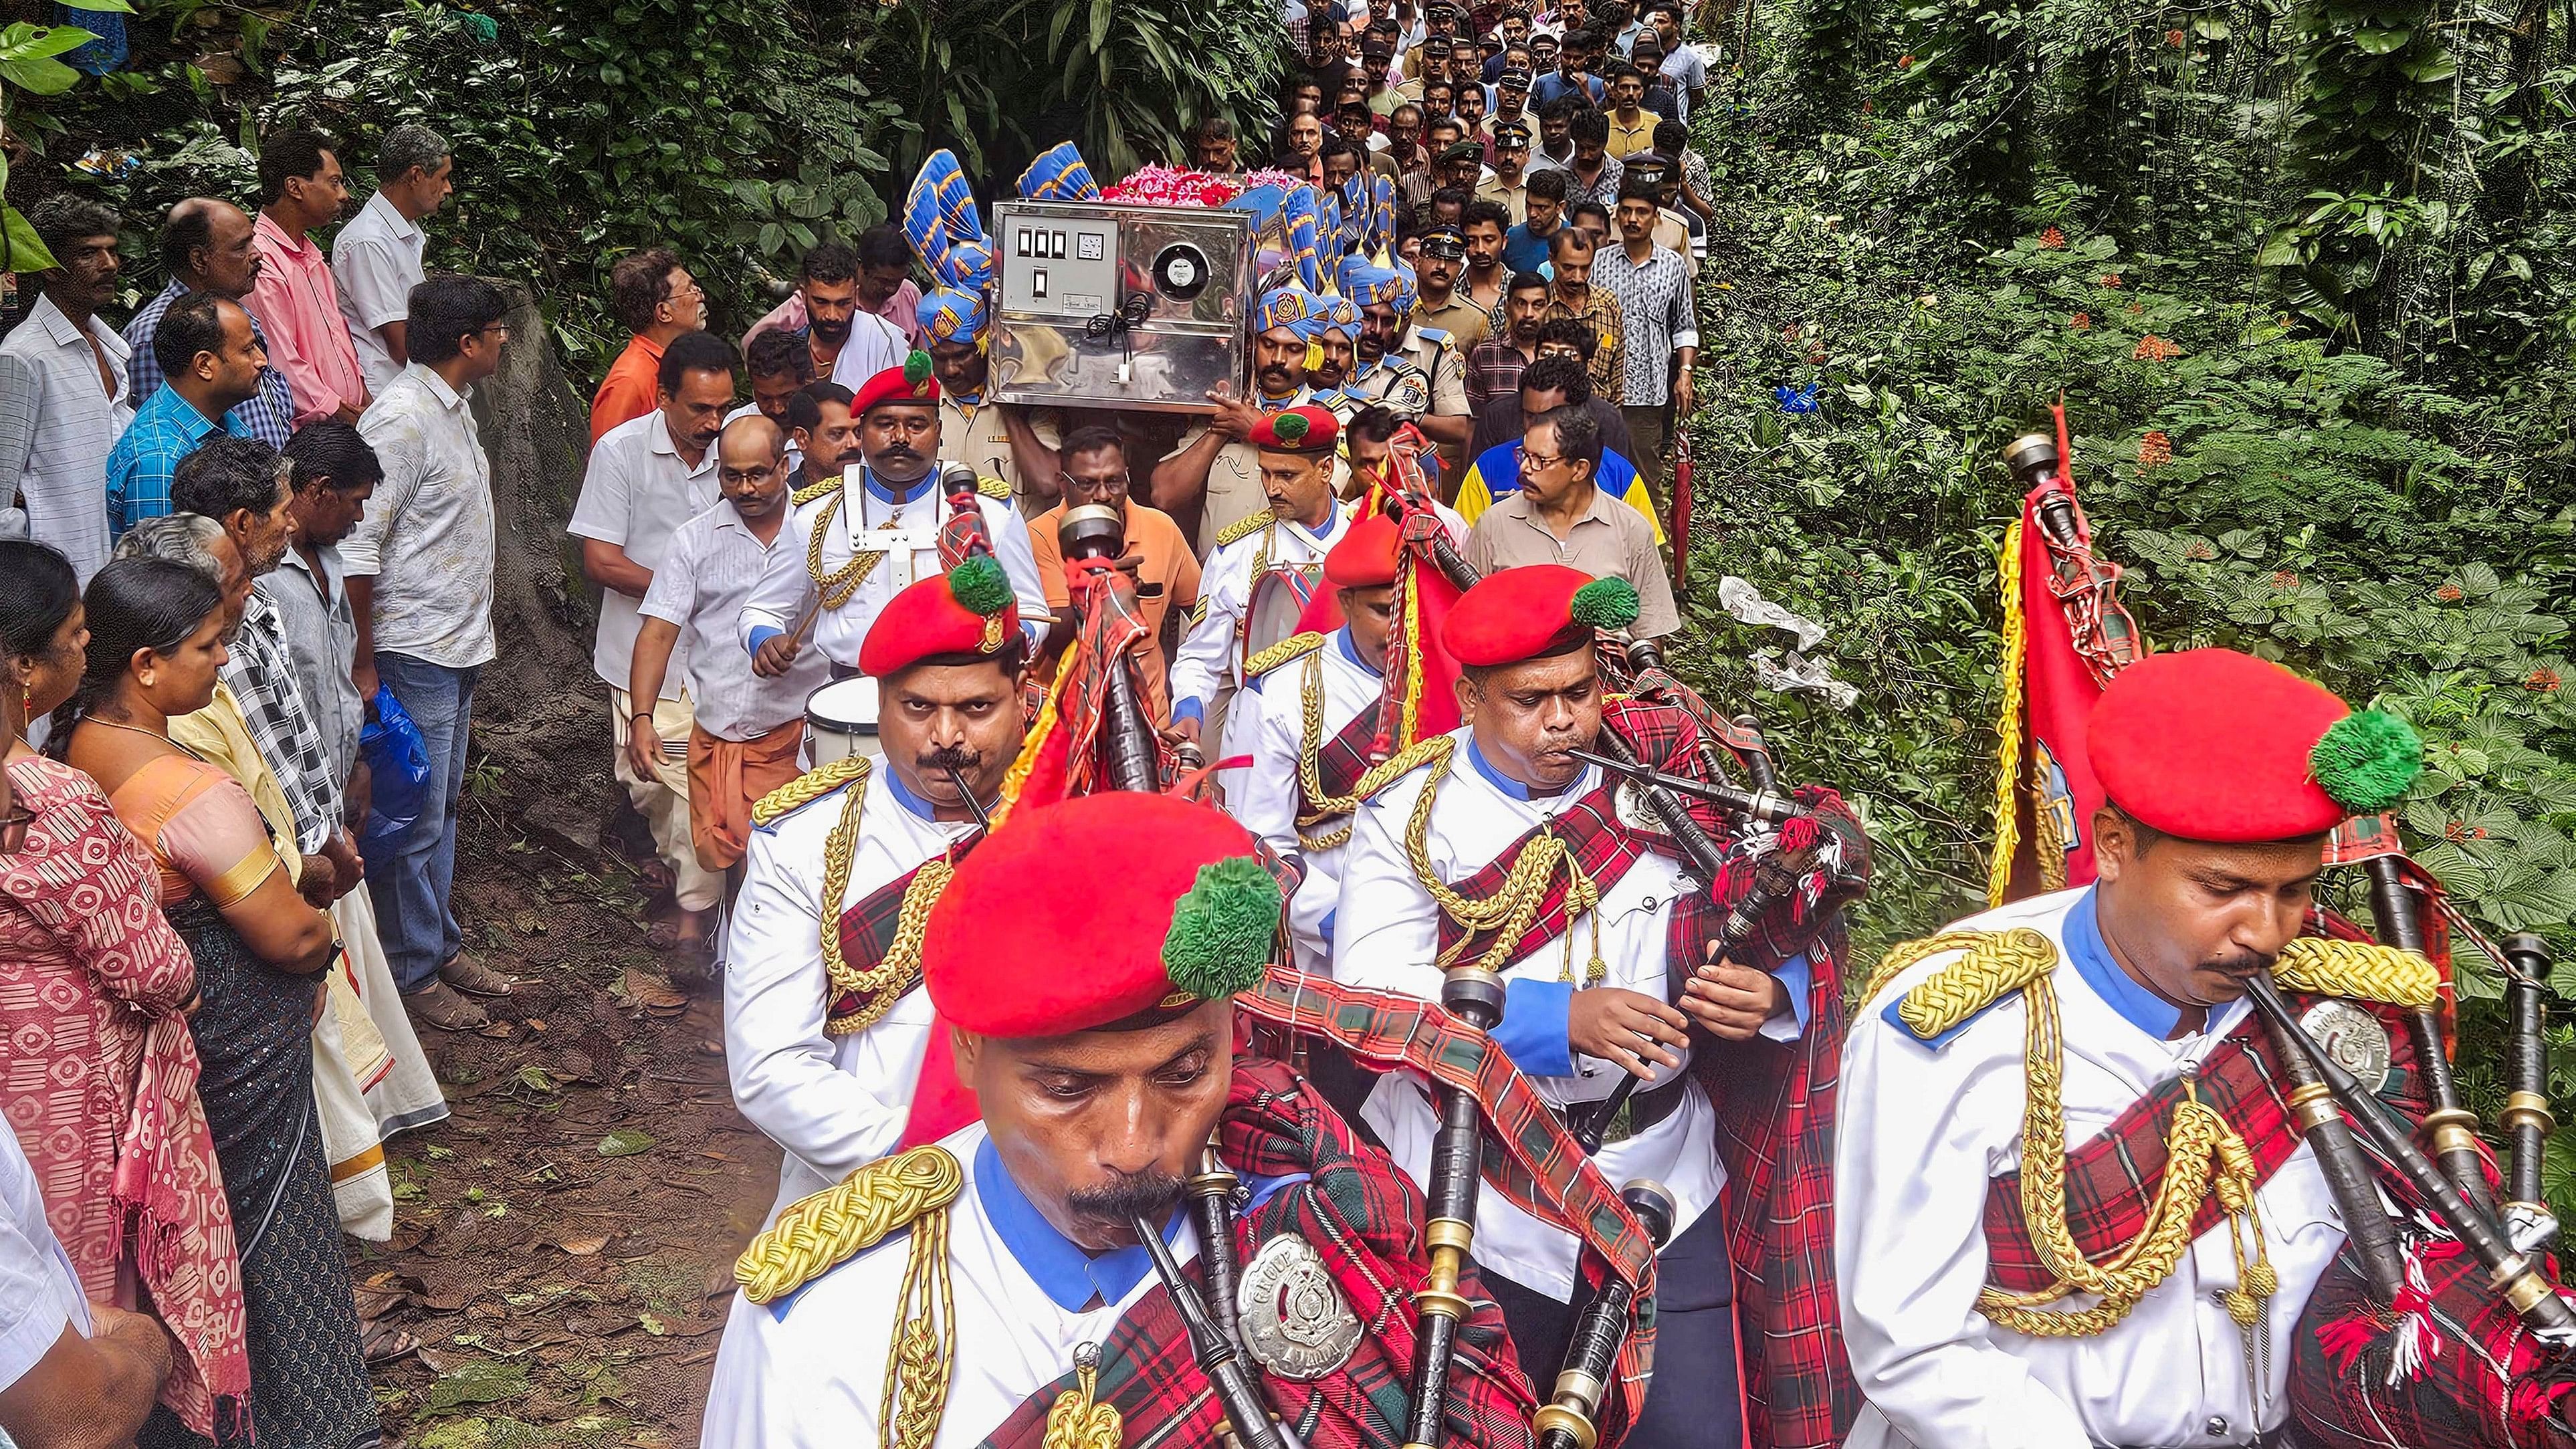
[
  {"x": 100, "y": 1073},
  {"x": 156, "y": 640}
]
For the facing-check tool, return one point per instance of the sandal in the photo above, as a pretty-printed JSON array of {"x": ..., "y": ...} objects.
[
  {"x": 472, "y": 977},
  {"x": 382, "y": 1343},
  {"x": 662, "y": 936},
  {"x": 444, "y": 1008}
]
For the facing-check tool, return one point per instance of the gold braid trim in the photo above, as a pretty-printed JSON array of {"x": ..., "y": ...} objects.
[
  {"x": 885, "y": 985},
  {"x": 2008, "y": 723},
  {"x": 837, "y": 586},
  {"x": 2357, "y": 969},
  {"x": 839, "y": 848},
  {"x": 1510, "y": 910},
  {"x": 1077, "y": 1420},
  {"x": 807, "y": 788},
  {"x": 2204, "y": 1153},
  {"x": 820, "y": 1232},
  {"x": 1295, "y": 646},
  {"x": 814, "y": 490},
  {"x": 1994, "y": 966},
  {"x": 925, "y": 1335},
  {"x": 1245, "y": 527},
  {"x": 992, "y": 487},
  {"x": 1310, "y": 770}
]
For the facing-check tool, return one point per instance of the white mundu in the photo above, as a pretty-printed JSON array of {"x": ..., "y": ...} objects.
[
  {"x": 1205, "y": 667},
  {"x": 1271, "y": 726},
  {"x": 1386, "y": 935},
  {"x": 834, "y": 1102},
  {"x": 1925, "y": 1126},
  {"x": 903, "y": 527},
  {"x": 808, "y": 1371}
]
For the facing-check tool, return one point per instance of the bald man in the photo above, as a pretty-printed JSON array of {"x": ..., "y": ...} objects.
[
  {"x": 206, "y": 247},
  {"x": 749, "y": 728}
]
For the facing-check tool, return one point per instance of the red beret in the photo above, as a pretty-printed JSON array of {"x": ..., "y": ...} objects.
[
  {"x": 1533, "y": 611},
  {"x": 1306, "y": 429},
  {"x": 2214, "y": 745},
  {"x": 968, "y": 610},
  {"x": 912, "y": 382},
  {"x": 1029, "y": 939},
  {"x": 1365, "y": 558}
]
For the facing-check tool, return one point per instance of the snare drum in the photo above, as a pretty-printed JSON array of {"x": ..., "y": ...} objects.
[
  {"x": 841, "y": 720},
  {"x": 1279, "y": 600}
]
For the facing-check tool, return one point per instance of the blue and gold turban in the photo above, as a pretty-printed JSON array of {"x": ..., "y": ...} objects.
[
  {"x": 1305, "y": 235},
  {"x": 1290, "y": 307},
  {"x": 1059, "y": 175},
  {"x": 1377, "y": 237},
  {"x": 1367, "y": 284},
  {"x": 951, "y": 315},
  {"x": 939, "y": 218},
  {"x": 1339, "y": 316}
]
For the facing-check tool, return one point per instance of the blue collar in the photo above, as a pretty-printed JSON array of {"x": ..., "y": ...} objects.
[
  {"x": 1351, "y": 651},
  {"x": 1505, "y": 783},
  {"x": 905, "y": 798},
  {"x": 1070, "y": 1277},
  {"x": 1324, "y": 530},
  {"x": 918, "y": 490},
  {"x": 2136, "y": 1005}
]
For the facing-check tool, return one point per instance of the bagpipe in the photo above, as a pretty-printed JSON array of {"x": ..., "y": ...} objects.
[{"x": 2442, "y": 1323}]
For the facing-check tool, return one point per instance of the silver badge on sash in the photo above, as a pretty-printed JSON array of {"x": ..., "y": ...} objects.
[
  {"x": 2353, "y": 1037},
  {"x": 1628, "y": 800},
  {"x": 1295, "y": 1322}
]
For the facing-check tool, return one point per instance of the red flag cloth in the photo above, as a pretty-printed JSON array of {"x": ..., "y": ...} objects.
[{"x": 2057, "y": 788}]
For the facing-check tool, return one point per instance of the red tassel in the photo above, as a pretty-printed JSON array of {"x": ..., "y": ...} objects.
[
  {"x": 2345, "y": 1340},
  {"x": 1798, "y": 834}
]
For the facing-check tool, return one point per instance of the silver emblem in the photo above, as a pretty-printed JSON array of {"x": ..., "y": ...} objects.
[
  {"x": 1293, "y": 1317},
  {"x": 2353, "y": 1037},
  {"x": 1628, "y": 801}
]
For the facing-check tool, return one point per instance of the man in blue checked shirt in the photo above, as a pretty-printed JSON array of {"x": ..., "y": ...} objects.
[
  {"x": 206, "y": 245},
  {"x": 212, "y": 360}
]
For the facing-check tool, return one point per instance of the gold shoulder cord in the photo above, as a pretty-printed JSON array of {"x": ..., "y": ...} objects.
[
  {"x": 882, "y": 985},
  {"x": 1077, "y": 1420},
  {"x": 837, "y": 586},
  {"x": 817, "y": 1233},
  {"x": 1510, "y": 910},
  {"x": 2203, "y": 1152},
  {"x": 1310, "y": 773}
]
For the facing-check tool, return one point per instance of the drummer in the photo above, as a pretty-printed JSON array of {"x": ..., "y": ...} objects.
[
  {"x": 749, "y": 726},
  {"x": 843, "y": 856},
  {"x": 1289, "y": 539},
  {"x": 850, "y": 549}
]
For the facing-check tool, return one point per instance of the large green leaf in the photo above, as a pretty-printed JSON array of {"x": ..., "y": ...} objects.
[
  {"x": 24, "y": 252},
  {"x": 119, "y": 6},
  {"x": 27, "y": 42}
]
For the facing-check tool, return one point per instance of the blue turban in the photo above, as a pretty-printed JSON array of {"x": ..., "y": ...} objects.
[
  {"x": 1059, "y": 175},
  {"x": 953, "y": 316},
  {"x": 1339, "y": 316},
  {"x": 1377, "y": 237},
  {"x": 1289, "y": 307},
  {"x": 1368, "y": 284},
  {"x": 939, "y": 217},
  {"x": 1305, "y": 236}
]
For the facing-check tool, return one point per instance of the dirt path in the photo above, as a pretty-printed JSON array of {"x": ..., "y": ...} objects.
[{"x": 563, "y": 1245}]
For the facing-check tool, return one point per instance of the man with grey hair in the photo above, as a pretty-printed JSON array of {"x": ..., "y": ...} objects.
[{"x": 377, "y": 256}]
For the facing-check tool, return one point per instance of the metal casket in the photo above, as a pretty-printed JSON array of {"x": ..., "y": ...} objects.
[{"x": 1105, "y": 305}]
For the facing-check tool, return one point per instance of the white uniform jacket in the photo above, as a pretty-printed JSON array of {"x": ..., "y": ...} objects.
[
  {"x": 1923, "y": 1128},
  {"x": 835, "y": 1103},
  {"x": 1386, "y": 934},
  {"x": 862, "y": 506},
  {"x": 1273, "y": 727},
  {"x": 808, "y": 1371},
  {"x": 1207, "y": 665}
]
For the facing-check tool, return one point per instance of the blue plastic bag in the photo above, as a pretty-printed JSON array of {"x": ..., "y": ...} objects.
[{"x": 398, "y": 766}]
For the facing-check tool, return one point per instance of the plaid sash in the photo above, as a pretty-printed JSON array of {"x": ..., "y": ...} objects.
[
  {"x": 867, "y": 934},
  {"x": 1364, "y": 1218},
  {"x": 1594, "y": 838},
  {"x": 2481, "y": 1380},
  {"x": 2113, "y": 1176},
  {"x": 1343, "y": 759}
]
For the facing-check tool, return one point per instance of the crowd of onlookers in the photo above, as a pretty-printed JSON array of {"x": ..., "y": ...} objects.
[{"x": 248, "y": 556}]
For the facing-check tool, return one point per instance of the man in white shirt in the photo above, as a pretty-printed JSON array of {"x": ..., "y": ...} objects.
[
  {"x": 63, "y": 392},
  {"x": 747, "y": 730},
  {"x": 72, "y": 1373},
  {"x": 1590, "y": 993},
  {"x": 827, "y": 1071},
  {"x": 1299, "y": 527},
  {"x": 376, "y": 258},
  {"x": 2221, "y": 777},
  {"x": 647, "y": 477},
  {"x": 878, "y": 528},
  {"x": 419, "y": 578}
]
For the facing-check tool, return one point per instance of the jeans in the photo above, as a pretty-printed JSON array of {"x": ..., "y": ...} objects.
[
  {"x": 1696, "y": 1398},
  {"x": 413, "y": 918}
]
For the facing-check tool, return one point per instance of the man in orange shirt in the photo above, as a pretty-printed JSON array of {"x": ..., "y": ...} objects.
[
  {"x": 658, "y": 300},
  {"x": 1167, "y": 573}
]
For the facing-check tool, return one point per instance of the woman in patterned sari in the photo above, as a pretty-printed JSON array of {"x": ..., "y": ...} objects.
[
  {"x": 156, "y": 641},
  {"x": 100, "y": 1074}
]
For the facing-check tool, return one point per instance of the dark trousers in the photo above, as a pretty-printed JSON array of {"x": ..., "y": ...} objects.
[{"x": 1694, "y": 1400}]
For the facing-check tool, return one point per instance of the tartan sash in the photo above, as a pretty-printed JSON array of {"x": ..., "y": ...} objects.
[
  {"x": 1343, "y": 759},
  {"x": 2480, "y": 1379},
  {"x": 868, "y": 931},
  {"x": 1363, "y": 1218},
  {"x": 1595, "y": 840},
  {"x": 2112, "y": 1177}
]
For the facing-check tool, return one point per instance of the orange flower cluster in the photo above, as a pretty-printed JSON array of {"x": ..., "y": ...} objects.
[
  {"x": 2051, "y": 239},
  {"x": 2543, "y": 680},
  {"x": 1905, "y": 62},
  {"x": 2174, "y": 39},
  {"x": 2081, "y": 322},
  {"x": 2450, "y": 593},
  {"x": 2284, "y": 579},
  {"x": 2154, "y": 451},
  {"x": 2109, "y": 279},
  {"x": 2152, "y": 348}
]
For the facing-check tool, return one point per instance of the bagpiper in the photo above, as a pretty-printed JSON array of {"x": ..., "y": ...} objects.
[{"x": 825, "y": 1027}]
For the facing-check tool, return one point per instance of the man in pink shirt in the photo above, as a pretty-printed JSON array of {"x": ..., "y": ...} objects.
[{"x": 295, "y": 299}]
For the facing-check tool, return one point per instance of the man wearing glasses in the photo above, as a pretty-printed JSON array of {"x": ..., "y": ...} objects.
[
  {"x": 1167, "y": 572},
  {"x": 1561, "y": 515}
]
